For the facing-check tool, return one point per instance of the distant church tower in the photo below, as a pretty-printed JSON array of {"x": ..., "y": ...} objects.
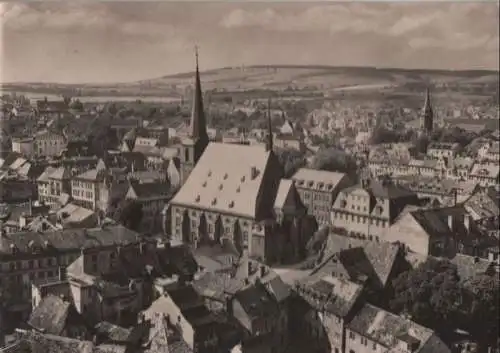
[
  {"x": 269, "y": 140},
  {"x": 194, "y": 145},
  {"x": 427, "y": 119}
]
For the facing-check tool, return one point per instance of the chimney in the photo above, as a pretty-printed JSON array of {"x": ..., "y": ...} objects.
[
  {"x": 467, "y": 222},
  {"x": 450, "y": 223}
]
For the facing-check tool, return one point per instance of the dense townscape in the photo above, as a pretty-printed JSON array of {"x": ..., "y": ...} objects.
[{"x": 263, "y": 225}]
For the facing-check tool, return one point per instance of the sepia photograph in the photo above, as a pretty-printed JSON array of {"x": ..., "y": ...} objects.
[{"x": 249, "y": 176}]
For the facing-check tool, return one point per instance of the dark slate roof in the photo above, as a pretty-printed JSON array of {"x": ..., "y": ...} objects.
[
  {"x": 68, "y": 239},
  {"x": 372, "y": 260},
  {"x": 335, "y": 295},
  {"x": 384, "y": 189},
  {"x": 212, "y": 285},
  {"x": 113, "y": 332},
  {"x": 387, "y": 329},
  {"x": 485, "y": 203},
  {"x": 51, "y": 315},
  {"x": 151, "y": 190},
  {"x": 56, "y": 344},
  {"x": 435, "y": 221},
  {"x": 469, "y": 267},
  {"x": 256, "y": 301}
]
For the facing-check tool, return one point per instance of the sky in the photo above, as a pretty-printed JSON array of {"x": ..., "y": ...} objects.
[{"x": 106, "y": 42}]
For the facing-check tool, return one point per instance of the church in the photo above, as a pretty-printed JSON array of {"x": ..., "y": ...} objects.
[{"x": 236, "y": 195}]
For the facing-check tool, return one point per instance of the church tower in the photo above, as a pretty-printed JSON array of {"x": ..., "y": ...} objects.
[
  {"x": 194, "y": 145},
  {"x": 269, "y": 140},
  {"x": 427, "y": 119}
]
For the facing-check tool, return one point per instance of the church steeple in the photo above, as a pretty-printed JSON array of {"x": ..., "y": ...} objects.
[
  {"x": 269, "y": 142},
  {"x": 198, "y": 128},
  {"x": 427, "y": 114}
]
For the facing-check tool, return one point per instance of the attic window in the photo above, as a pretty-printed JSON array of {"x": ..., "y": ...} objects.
[
  {"x": 300, "y": 182},
  {"x": 329, "y": 186},
  {"x": 204, "y": 184},
  {"x": 310, "y": 184},
  {"x": 198, "y": 198},
  {"x": 238, "y": 189},
  {"x": 225, "y": 176},
  {"x": 214, "y": 201},
  {"x": 220, "y": 187},
  {"x": 253, "y": 173},
  {"x": 231, "y": 204},
  {"x": 209, "y": 173},
  {"x": 242, "y": 178},
  {"x": 320, "y": 185}
]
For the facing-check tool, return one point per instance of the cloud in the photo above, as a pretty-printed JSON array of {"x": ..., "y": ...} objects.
[
  {"x": 456, "y": 26},
  {"x": 23, "y": 17},
  {"x": 329, "y": 18}
]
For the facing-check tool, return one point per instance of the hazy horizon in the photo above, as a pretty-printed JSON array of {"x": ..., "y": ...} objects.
[{"x": 112, "y": 42}]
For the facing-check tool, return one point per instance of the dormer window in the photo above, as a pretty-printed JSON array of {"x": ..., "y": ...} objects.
[
  {"x": 209, "y": 173},
  {"x": 204, "y": 184},
  {"x": 214, "y": 201},
  {"x": 254, "y": 172},
  {"x": 310, "y": 184},
  {"x": 238, "y": 189},
  {"x": 231, "y": 204},
  {"x": 198, "y": 198},
  {"x": 243, "y": 179},
  {"x": 220, "y": 187},
  {"x": 225, "y": 176}
]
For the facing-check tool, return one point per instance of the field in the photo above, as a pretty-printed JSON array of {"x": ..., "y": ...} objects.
[{"x": 283, "y": 78}]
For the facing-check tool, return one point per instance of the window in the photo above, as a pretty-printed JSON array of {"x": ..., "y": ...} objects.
[
  {"x": 30, "y": 264},
  {"x": 374, "y": 346},
  {"x": 352, "y": 335}
]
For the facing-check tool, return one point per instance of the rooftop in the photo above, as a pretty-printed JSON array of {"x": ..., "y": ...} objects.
[
  {"x": 317, "y": 179},
  {"x": 229, "y": 187}
]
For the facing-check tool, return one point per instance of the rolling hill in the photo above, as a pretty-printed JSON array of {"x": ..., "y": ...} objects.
[{"x": 278, "y": 78}]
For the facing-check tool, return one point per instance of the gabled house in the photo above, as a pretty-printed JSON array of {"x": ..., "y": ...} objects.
[
  {"x": 437, "y": 232},
  {"x": 374, "y": 329},
  {"x": 373, "y": 265},
  {"x": 56, "y": 315},
  {"x": 369, "y": 209},
  {"x": 184, "y": 309},
  {"x": 153, "y": 197},
  {"x": 264, "y": 323},
  {"x": 322, "y": 308}
]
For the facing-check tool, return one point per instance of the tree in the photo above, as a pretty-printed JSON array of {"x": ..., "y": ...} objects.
[
  {"x": 482, "y": 309},
  {"x": 383, "y": 135},
  {"x": 291, "y": 160},
  {"x": 335, "y": 160},
  {"x": 129, "y": 213},
  {"x": 431, "y": 294},
  {"x": 77, "y": 105}
]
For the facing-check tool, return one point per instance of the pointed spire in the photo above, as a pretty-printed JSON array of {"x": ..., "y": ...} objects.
[
  {"x": 427, "y": 114},
  {"x": 269, "y": 143},
  {"x": 198, "y": 125}
]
